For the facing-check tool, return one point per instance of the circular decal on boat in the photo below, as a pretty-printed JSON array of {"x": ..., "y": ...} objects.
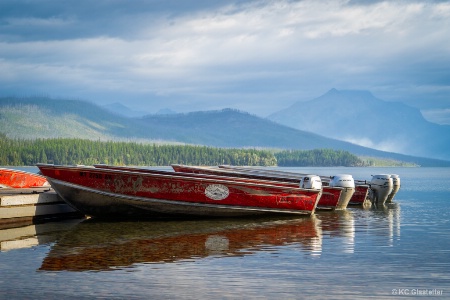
[{"x": 217, "y": 191}]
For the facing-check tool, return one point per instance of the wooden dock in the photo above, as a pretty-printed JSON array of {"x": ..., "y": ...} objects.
[{"x": 19, "y": 207}]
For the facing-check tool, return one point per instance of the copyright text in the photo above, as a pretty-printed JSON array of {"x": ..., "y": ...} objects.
[{"x": 417, "y": 292}]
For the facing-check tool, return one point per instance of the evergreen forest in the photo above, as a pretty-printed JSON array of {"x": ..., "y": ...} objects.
[
  {"x": 21, "y": 152},
  {"x": 317, "y": 158}
]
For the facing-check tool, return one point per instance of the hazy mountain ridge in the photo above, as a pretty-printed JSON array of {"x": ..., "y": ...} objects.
[
  {"x": 232, "y": 128},
  {"x": 47, "y": 118},
  {"x": 124, "y": 111},
  {"x": 359, "y": 117},
  {"x": 31, "y": 118}
]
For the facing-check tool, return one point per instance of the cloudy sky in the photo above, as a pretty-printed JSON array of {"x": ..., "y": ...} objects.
[{"x": 256, "y": 56}]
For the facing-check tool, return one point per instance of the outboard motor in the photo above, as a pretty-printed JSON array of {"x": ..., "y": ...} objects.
[
  {"x": 346, "y": 182},
  {"x": 342, "y": 180},
  {"x": 396, "y": 187},
  {"x": 381, "y": 186},
  {"x": 311, "y": 182}
]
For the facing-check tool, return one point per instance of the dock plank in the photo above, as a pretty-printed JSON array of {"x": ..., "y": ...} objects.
[
  {"x": 28, "y": 199},
  {"x": 34, "y": 210}
]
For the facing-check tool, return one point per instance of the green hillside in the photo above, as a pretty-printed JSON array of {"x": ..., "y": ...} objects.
[
  {"x": 31, "y": 118},
  {"x": 44, "y": 118}
]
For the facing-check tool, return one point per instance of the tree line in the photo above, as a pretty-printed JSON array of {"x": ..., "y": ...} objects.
[
  {"x": 20, "y": 152},
  {"x": 317, "y": 158}
]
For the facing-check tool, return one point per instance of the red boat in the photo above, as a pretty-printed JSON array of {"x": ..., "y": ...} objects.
[
  {"x": 21, "y": 179},
  {"x": 103, "y": 192},
  {"x": 329, "y": 199},
  {"x": 380, "y": 189},
  {"x": 334, "y": 196}
]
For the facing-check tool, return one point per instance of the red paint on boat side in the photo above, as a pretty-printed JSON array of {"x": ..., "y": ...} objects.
[
  {"x": 360, "y": 194},
  {"x": 329, "y": 198},
  {"x": 182, "y": 188},
  {"x": 20, "y": 179}
]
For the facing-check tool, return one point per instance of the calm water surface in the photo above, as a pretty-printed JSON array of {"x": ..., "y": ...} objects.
[{"x": 400, "y": 250}]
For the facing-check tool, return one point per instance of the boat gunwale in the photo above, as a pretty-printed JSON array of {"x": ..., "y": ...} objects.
[
  {"x": 244, "y": 174},
  {"x": 281, "y": 172},
  {"x": 174, "y": 174},
  {"x": 294, "y": 175},
  {"x": 265, "y": 182}
]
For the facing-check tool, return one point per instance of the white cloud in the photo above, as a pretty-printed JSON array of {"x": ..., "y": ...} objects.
[
  {"x": 442, "y": 10},
  {"x": 439, "y": 116},
  {"x": 298, "y": 48}
]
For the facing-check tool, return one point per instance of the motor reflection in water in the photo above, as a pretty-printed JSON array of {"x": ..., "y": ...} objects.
[
  {"x": 386, "y": 218},
  {"x": 339, "y": 223}
]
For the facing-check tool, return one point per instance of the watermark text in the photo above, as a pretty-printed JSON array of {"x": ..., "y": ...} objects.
[{"x": 417, "y": 292}]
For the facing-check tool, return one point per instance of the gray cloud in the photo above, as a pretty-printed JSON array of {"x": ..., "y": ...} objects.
[{"x": 258, "y": 56}]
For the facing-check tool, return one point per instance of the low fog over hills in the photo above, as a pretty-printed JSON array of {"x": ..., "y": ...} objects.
[{"x": 358, "y": 117}]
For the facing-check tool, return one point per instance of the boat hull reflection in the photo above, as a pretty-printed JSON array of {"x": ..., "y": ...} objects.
[{"x": 97, "y": 245}]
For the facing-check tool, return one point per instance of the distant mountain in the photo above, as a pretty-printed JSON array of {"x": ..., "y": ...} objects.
[
  {"x": 360, "y": 118},
  {"x": 166, "y": 111},
  {"x": 120, "y": 109},
  {"x": 32, "y": 118},
  {"x": 125, "y": 111}
]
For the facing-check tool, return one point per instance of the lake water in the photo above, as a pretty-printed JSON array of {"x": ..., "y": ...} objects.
[{"x": 400, "y": 250}]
